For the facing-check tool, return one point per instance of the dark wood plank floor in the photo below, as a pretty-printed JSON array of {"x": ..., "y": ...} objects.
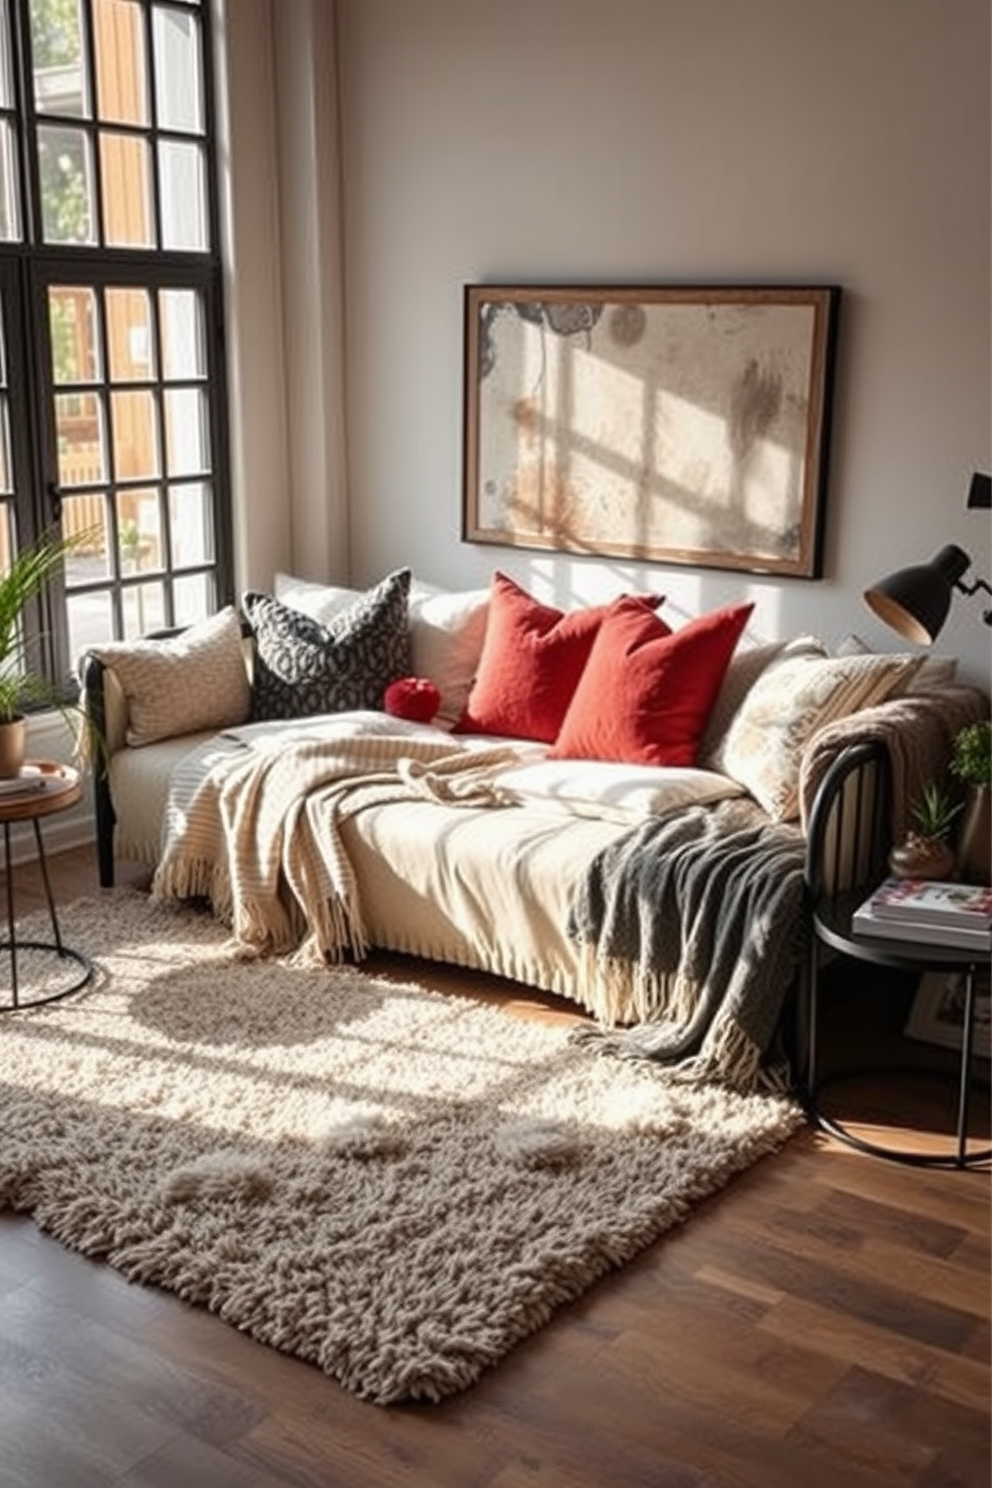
[{"x": 823, "y": 1323}]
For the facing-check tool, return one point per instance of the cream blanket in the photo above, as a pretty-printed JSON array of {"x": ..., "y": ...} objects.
[{"x": 255, "y": 829}]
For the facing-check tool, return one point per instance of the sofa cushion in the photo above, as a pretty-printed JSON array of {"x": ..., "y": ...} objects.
[
  {"x": 182, "y": 684},
  {"x": 532, "y": 658},
  {"x": 933, "y": 674},
  {"x": 789, "y": 703},
  {"x": 746, "y": 665},
  {"x": 303, "y": 667},
  {"x": 647, "y": 691},
  {"x": 611, "y": 789},
  {"x": 446, "y": 630}
]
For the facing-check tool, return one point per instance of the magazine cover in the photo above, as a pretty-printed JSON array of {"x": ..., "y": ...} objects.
[{"x": 934, "y": 900}]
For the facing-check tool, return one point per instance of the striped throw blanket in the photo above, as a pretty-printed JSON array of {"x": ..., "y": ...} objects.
[{"x": 255, "y": 829}]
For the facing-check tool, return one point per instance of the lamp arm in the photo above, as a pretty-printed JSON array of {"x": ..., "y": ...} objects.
[{"x": 973, "y": 588}]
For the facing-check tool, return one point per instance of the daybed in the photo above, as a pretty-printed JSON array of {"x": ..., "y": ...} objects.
[{"x": 602, "y": 806}]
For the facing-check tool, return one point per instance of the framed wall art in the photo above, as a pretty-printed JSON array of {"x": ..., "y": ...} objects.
[
  {"x": 936, "y": 1015},
  {"x": 667, "y": 423}
]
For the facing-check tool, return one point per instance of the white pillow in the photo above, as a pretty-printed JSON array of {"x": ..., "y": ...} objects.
[
  {"x": 794, "y": 698},
  {"x": 446, "y": 634},
  {"x": 610, "y": 789},
  {"x": 446, "y": 631},
  {"x": 320, "y": 601},
  {"x": 182, "y": 684}
]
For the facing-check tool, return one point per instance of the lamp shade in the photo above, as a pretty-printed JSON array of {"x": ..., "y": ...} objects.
[{"x": 915, "y": 601}]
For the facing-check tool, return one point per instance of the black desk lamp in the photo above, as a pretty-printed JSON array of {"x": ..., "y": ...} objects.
[{"x": 915, "y": 601}]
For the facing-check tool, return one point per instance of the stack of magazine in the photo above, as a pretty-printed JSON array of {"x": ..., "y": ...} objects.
[
  {"x": 931, "y": 913},
  {"x": 28, "y": 781}
]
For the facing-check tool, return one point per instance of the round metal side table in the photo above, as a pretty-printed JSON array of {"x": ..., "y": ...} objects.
[
  {"x": 60, "y": 788},
  {"x": 832, "y": 927}
]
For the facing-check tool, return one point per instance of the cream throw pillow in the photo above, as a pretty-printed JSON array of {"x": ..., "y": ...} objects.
[
  {"x": 611, "y": 790},
  {"x": 789, "y": 703},
  {"x": 182, "y": 684}
]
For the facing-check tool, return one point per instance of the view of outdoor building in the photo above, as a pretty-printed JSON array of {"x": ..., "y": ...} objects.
[{"x": 106, "y": 178}]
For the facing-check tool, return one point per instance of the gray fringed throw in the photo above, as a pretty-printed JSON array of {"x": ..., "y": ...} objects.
[{"x": 704, "y": 911}]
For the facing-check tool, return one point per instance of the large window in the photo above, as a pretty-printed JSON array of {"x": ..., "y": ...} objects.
[{"x": 112, "y": 407}]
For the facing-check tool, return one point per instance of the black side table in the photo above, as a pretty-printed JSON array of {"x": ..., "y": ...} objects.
[
  {"x": 831, "y": 926},
  {"x": 62, "y": 789}
]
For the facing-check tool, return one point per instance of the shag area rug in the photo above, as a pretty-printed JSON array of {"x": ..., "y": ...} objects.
[{"x": 393, "y": 1183}]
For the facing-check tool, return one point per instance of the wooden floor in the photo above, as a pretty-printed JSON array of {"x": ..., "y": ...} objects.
[{"x": 822, "y": 1323}]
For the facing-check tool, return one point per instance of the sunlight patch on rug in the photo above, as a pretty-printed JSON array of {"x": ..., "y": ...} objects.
[{"x": 395, "y": 1184}]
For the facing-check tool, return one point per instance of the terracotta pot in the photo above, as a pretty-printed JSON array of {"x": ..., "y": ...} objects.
[
  {"x": 975, "y": 844},
  {"x": 13, "y": 746},
  {"x": 922, "y": 857}
]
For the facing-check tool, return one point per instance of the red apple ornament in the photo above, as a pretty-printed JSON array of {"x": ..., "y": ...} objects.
[{"x": 415, "y": 698}]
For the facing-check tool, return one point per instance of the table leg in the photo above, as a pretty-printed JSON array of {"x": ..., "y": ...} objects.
[
  {"x": 43, "y": 864},
  {"x": 967, "y": 1034},
  {"x": 11, "y": 933},
  {"x": 56, "y": 946}
]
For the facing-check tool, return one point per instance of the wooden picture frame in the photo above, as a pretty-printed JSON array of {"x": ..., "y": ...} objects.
[
  {"x": 936, "y": 1015},
  {"x": 672, "y": 424}
]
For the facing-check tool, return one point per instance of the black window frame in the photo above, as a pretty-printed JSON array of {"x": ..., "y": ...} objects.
[{"x": 28, "y": 268}]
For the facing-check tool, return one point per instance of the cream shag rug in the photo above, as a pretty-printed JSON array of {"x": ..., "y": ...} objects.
[{"x": 393, "y": 1183}]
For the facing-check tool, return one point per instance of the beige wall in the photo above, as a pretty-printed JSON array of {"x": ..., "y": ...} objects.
[{"x": 632, "y": 141}]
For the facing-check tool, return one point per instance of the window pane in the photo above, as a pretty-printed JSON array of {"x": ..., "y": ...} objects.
[
  {"x": 181, "y": 314},
  {"x": 67, "y": 211},
  {"x": 60, "y": 82},
  {"x": 182, "y": 185},
  {"x": 81, "y": 440},
  {"x": 139, "y": 532},
  {"x": 129, "y": 335},
  {"x": 72, "y": 313},
  {"x": 191, "y": 525},
  {"x": 194, "y": 597},
  {"x": 86, "y": 513},
  {"x": 10, "y": 208},
  {"x": 91, "y": 622},
  {"x": 125, "y": 162},
  {"x": 144, "y": 609},
  {"x": 135, "y": 435},
  {"x": 5, "y": 464},
  {"x": 6, "y": 82},
  {"x": 178, "y": 76},
  {"x": 187, "y": 440},
  {"x": 121, "y": 74},
  {"x": 8, "y": 527}
]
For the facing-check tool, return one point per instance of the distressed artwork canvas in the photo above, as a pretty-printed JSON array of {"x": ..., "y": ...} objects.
[{"x": 683, "y": 425}]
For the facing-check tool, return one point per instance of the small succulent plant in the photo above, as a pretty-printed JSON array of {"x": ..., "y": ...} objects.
[{"x": 934, "y": 812}]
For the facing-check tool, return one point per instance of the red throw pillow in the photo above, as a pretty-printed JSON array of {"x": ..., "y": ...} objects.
[
  {"x": 413, "y": 698},
  {"x": 646, "y": 692},
  {"x": 532, "y": 658}
]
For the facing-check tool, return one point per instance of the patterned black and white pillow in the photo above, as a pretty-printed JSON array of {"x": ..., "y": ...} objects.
[{"x": 302, "y": 667}]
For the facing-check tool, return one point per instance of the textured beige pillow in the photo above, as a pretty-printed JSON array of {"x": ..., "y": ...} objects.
[
  {"x": 183, "y": 684},
  {"x": 793, "y": 699},
  {"x": 933, "y": 674},
  {"x": 746, "y": 666}
]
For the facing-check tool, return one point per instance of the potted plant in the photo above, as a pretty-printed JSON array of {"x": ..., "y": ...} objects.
[
  {"x": 971, "y": 763},
  {"x": 927, "y": 852},
  {"x": 21, "y": 688}
]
